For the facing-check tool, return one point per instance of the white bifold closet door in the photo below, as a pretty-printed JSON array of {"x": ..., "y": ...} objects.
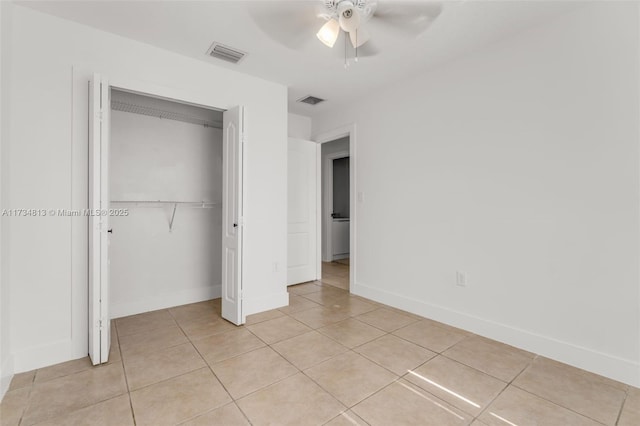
[
  {"x": 232, "y": 216},
  {"x": 302, "y": 212},
  {"x": 99, "y": 232},
  {"x": 99, "y": 320}
]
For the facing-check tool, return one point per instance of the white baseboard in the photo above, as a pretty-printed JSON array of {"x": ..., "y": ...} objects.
[
  {"x": 44, "y": 355},
  {"x": 63, "y": 350},
  {"x": 6, "y": 375},
  {"x": 165, "y": 300},
  {"x": 623, "y": 370},
  {"x": 265, "y": 302}
]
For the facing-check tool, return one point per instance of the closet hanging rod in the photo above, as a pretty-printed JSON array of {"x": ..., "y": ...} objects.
[
  {"x": 160, "y": 113},
  {"x": 175, "y": 204},
  {"x": 195, "y": 203}
]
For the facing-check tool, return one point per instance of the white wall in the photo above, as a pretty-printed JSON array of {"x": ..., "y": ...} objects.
[
  {"x": 151, "y": 266},
  {"x": 299, "y": 126},
  {"x": 518, "y": 165},
  {"x": 48, "y": 169},
  {"x": 6, "y": 360}
]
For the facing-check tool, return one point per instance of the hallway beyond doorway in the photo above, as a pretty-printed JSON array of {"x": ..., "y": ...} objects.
[{"x": 336, "y": 273}]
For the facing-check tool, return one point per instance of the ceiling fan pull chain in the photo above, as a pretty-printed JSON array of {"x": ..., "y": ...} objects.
[
  {"x": 346, "y": 63},
  {"x": 356, "y": 45}
]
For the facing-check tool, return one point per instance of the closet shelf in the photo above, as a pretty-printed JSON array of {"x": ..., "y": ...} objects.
[
  {"x": 163, "y": 203},
  {"x": 181, "y": 203}
]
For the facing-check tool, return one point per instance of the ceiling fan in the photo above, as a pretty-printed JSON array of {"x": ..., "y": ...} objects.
[
  {"x": 348, "y": 15},
  {"x": 293, "y": 23}
]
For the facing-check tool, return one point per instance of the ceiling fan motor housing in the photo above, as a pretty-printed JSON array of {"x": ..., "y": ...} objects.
[
  {"x": 349, "y": 17},
  {"x": 347, "y": 9},
  {"x": 330, "y": 4}
]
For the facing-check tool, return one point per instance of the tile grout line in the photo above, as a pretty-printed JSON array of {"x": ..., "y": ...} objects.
[
  {"x": 27, "y": 405},
  {"x": 335, "y": 356},
  {"x": 624, "y": 401},
  {"x": 150, "y": 328},
  {"x": 99, "y": 401},
  {"x": 348, "y": 350},
  {"x": 233, "y": 400},
  {"x": 124, "y": 372},
  {"x": 509, "y": 384},
  {"x": 326, "y": 390},
  {"x": 473, "y": 417},
  {"x": 484, "y": 372},
  {"x": 557, "y": 403},
  {"x": 299, "y": 371},
  {"x": 33, "y": 385},
  {"x": 441, "y": 353}
]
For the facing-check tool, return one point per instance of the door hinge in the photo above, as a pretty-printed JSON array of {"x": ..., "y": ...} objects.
[{"x": 103, "y": 324}]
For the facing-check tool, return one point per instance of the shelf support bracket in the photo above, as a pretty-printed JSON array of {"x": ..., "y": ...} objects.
[{"x": 173, "y": 216}]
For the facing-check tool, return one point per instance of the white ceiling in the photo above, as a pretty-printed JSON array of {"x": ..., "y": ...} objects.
[{"x": 189, "y": 28}]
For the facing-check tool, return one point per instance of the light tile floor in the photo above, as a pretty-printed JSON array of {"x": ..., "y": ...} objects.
[{"x": 328, "y": 358}]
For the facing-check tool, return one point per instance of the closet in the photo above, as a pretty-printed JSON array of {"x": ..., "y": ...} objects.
[
  {"x": 165, "y": 191},
  {"x": 167, "y": 180}
]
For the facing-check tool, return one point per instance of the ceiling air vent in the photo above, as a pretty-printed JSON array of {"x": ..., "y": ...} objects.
[
  {"x": 226, "y": 53},
  {"x": 311, "y": 100}
]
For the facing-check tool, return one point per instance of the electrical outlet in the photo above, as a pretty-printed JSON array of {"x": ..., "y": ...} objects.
[
  {"x": 461, "y": 279},
  {"x": 361, "y": 197},
  {"x": 276, "y": 266}
]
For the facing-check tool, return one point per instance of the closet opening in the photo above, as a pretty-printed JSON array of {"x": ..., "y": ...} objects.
[
  {"x": 166, "y": 198},
  {"x": 167, "y": 177}
]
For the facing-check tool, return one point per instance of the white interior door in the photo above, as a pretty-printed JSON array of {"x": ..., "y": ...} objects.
[
  {"x": 302, "y": 212},
  {"x": 99, "y": 321},
  {"x": 232, "y": 217}
]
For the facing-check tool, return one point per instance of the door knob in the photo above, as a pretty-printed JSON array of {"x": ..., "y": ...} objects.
[
  {"x": 235, "y": 225},
  {"x": 110, "y": 231}
]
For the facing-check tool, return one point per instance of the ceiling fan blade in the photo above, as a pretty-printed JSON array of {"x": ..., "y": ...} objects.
[
  {"x": 410, "y": 18},
  {"x": 290, "y": 23}
]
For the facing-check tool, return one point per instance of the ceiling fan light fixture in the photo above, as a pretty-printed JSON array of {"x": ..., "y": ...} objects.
[{"x": 329, "y": 32}]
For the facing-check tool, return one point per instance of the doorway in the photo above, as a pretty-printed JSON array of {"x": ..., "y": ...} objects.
[{"x": 336, "y": 212}]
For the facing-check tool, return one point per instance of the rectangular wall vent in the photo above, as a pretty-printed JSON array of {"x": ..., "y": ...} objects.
[
  {"x": 311, "y": 100},
  {"x": 226, "y": 53}
]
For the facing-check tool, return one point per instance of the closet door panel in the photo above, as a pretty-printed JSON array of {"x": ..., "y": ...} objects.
[
  {"x": 301, "y": 216},
  {"x": 232, "y": 220},
  {"x": 99, "y": 322}
]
